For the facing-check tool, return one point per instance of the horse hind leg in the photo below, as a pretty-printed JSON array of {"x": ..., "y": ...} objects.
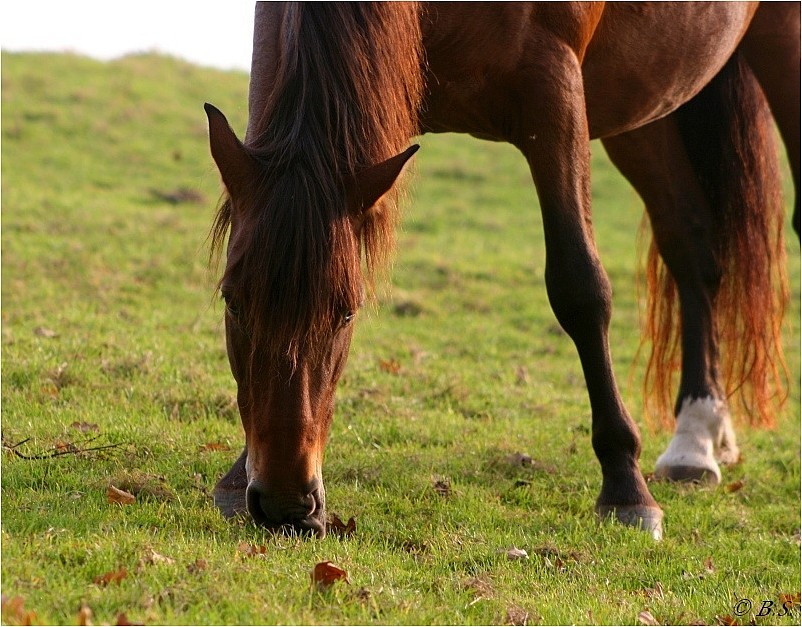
[{"x": 654, "y": 160}]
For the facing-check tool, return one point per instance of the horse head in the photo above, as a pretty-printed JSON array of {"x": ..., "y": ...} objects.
[{"x": 292, "y": 285}]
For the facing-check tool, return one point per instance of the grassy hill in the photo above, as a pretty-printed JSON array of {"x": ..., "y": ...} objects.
[{"x": 111, "y": 337}]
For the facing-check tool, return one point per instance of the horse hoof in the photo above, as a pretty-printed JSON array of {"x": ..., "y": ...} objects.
[
  {"x": 647, "y": 518},
  {"x": 688, "y": 474},
  {"x": 231, "y": 503}
]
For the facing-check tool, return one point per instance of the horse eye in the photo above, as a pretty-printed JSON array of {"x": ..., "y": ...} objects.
[
  {"x": 231, "y": 309},
  {"x": 348, "y": 317}
]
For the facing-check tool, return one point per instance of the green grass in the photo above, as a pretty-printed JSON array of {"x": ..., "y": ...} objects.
[{"x": 108, "y": 319}]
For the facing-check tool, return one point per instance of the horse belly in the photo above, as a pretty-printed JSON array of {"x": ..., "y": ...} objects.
[{"x": 648, "y": 59}]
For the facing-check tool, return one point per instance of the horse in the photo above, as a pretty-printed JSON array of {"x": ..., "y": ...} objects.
[{"x": 682, "y": 96}]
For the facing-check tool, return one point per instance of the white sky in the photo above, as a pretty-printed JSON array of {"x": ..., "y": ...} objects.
[{"x": 217, "y": 34}]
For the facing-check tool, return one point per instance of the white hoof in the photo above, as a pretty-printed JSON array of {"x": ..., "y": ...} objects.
[{"x": 704, "y": 437}]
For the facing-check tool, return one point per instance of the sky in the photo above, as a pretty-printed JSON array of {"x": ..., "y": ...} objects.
[{"x": 216, "y": 34}]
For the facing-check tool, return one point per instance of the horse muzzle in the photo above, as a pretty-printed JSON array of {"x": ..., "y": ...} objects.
[{"x": 302, "y": 513}]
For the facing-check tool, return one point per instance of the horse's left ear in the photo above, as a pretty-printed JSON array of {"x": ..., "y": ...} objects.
[
  {"x": 237, "y": 167},
  {"x": 374, "y": 182}
]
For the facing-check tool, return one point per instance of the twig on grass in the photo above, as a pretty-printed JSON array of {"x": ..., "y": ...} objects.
[{"x": 69, "y": 449}]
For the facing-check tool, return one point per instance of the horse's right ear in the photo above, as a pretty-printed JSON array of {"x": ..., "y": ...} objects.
[{"x": 237, "y": 167}]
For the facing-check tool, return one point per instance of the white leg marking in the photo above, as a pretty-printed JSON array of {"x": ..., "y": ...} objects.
[{"x": 704, "y": 434}]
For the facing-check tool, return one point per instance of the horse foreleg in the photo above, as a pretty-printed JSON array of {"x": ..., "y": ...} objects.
[
  {"x": 229, "y": 493},
  {"x": 654, "y": 160},
  {"x": 556, "y": 144}
]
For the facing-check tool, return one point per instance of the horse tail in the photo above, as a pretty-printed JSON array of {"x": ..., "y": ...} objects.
[{"x": 729, "y": 137}]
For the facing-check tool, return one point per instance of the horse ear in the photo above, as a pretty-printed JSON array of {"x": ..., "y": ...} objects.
[
  {"x": 374, "y": 182},
  {"x": 236, "y": 166}
]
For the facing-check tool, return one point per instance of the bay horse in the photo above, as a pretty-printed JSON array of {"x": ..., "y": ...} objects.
[{"x": 681, "y": 96}]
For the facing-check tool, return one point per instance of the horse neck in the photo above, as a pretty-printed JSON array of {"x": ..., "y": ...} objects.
[
  {"x": 264, "y": 62},
  {"x": 396, "y": 32}
]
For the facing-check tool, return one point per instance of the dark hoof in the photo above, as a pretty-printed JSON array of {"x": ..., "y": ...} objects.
[
  {"x": 647, "y": 518},
  {"x": 229, "y": 493},
  {"x": 231, "y": 503},
  {"x": 687, "y": 474}
]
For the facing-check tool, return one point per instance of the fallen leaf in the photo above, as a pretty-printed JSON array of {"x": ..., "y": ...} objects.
[
  {"x": 725, "y": 620},
  {"x": 199, "y": 565},
  {"x": 481, "y": 587},
  {"x": 122, "y": 497},
  {"x": 65, "y": 447},
  {"x": 14, "y": 612},
  {"x": 144, "y": 485},
  {"x": 654, "y": 593},
  {"x": 363, "y": 595},
  {"x": 84, "y": 615},
  {"x": 709, "y": 565},
  {"x": 151, "y": 557},
  {"x": 214, "y": 446},
  {"x": 519, "y": 459},
  {"x": 646, "y": 618},
  {"x": 514, "y": 553},
  {"x": 793, "y": 599},
  {"x": 522, "y": 375},
  {"x": 735, "y": 486},
  {"x": 45, "y": 332},
  {"x": 325, "y": 574},
  {"x": 442, "y": 487},
  {"x": 114, "y": 576},
  {"x": 391, "y": 366},
  {"x": 336, "y": 527},
  {"x": 85, "y": 427},
  {"x": 122, "y": 619},
  {"x": 251, "y": 550},
  {"x": 516, "y": 616}
]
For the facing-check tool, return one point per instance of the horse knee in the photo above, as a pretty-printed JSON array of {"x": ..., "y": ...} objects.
[{"x": 581, "y": 300}]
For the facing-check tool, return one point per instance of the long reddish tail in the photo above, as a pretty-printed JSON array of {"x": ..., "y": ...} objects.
[{"x": 729, "y": 136}]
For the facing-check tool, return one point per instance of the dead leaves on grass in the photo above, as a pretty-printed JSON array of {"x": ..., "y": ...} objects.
[
  {"x": 326, "y": 574},
  {"x": 114, "y": 576},
  {"x": 14, "y": 612},
  {"x": 336, "y": 527},
  {"x": 120, "y": 497}
]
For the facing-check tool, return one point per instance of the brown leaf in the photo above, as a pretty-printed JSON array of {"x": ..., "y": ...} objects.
[
  {"x": 45, "y": 332},
  {"x": 442, "y": 487},
  {"x": 84, "y": 615},
  {"x": 725, "y": 620},
  {"x": 516, "y": 616},
  {"x": 199, "y": 565},
  {"x": 325, "y": 574},
  {"x": 390, "y": 366},
  {"x": 85, "y": 427},
  {"x": 251, "y": 550},
  {"x": 793, "y": 599},
  {"x": 214, "y": 446},
  {"x": 514, "y": 553},
  {"x": 114, "y": 576},
  {"x": 14, "y": 612},
  {"x": 122, "y": 497},
  {"x": 654, "y": 593},
  {"x": 735, "y": 486},
  {"x": 709, "y": 569},
  {"x": 122, "y": 619},
  {"x": 519, "y": 459},
  {"x": 336, "y": 527},
  {"x": 646, "y": 618},
  {"x": 151, "y": 557},
  {"x": 481, "y": 587}
]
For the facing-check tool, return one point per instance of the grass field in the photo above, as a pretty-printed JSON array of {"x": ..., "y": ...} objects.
[{"x": 111, "y": 337}]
